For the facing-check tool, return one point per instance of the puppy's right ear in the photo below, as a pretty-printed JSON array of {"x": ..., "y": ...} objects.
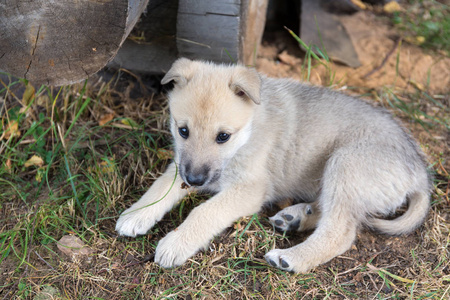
[{"x": 180, "y": 72}]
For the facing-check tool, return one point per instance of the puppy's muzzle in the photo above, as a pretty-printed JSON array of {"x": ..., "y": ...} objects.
[{"x": 195, "y": 177}]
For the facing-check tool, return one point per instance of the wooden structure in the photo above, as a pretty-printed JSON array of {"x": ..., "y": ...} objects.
[
  {"x": 220, "y": 31},
  {"x": 57, "y": 42}
]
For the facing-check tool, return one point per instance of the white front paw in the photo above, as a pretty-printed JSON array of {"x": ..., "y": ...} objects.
[
  {"x": 135, "y": 221},
  {"x": 175, "y": 249}
]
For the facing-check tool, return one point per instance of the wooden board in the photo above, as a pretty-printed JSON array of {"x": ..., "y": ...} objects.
[{"x": 220, "y": 31}]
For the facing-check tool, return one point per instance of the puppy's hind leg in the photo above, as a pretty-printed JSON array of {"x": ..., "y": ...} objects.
[
  {"x": 333, "y": 236},
  {"x": 297, "y": 217},
  {"x": 336, "y": 229}
]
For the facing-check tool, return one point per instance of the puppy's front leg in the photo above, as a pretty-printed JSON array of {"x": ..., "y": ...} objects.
[
  {"x": 164, "y": 193},
  {"x": 206, "y": 221}
]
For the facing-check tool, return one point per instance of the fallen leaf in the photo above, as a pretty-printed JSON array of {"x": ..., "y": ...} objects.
[
  {"x": 73, "y": 246},
  {"x": 34, "y": 161},
  {"x": 28, "y": 95},
  {"x": 415, "y": 40},
  {"x": 391, "y": 7},
  {"x": 105, "y": 119},
  {"x": 12, "y": 130}
]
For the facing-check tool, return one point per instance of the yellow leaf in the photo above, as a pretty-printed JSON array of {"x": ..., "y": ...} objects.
[
  {"x": 420, "y": 39},
  {"x": 105, "y": 119},
  {"x": 34, "y": 161},
  {"x": 12, "y": 129},
  {"x": 391, "y": 7},
  {"x": 415, "y": 40},
  {"x": 28, "y": 95}
]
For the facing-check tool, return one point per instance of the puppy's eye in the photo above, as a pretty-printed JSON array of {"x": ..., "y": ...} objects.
[
  {"x": 222, "y": 137},
  {"x": 184, "y": 132},
  {"x": 240, "y": 93}
]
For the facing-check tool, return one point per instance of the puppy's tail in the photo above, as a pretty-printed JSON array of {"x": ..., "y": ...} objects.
[{"x": 419, "y": 204}]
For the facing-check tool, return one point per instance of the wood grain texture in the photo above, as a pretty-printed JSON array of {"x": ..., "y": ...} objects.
[
  {"x": 209, "y": 30},
  {"x": 253, "y": 21},
  {"x": 220, "y": 31},
  {"x": 57, "y": 42}
]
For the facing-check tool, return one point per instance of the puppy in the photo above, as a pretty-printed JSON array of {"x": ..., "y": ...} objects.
[{"x": 251, "y": 140}]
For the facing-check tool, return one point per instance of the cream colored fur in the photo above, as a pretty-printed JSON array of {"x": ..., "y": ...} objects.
[{"x": 348, "y": 161}]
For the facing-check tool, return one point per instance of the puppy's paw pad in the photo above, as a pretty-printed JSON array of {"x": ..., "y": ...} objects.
[
  {"x": 284, "y": 264},
  {"x": 288, "y": 218},
  {"x": 276, "y": 259},
  {"x": 292, "y": 218},
  {"x": 285, "y": 222}
]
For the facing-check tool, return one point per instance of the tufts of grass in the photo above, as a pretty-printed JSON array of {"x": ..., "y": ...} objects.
[
  {"x": 426, "y": 23},
  {"x": 314, "y": 56}
]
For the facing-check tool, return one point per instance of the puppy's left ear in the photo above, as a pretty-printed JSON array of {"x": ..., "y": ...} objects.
[
  {"x": 246, "y": 82},
  {"x": 180, "y": 72}
]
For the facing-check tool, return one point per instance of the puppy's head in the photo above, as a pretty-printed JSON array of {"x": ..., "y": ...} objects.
[{"x": 212, "y": 108}]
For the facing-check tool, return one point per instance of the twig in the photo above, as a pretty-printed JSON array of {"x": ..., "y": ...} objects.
[
  {"x": 396, "y": 43},
  {"x": 40, "y": 257},
  {"x": 146, "y": 258}
]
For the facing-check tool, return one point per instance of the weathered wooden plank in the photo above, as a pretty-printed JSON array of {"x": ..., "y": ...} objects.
[
  {"x": 253, "y": 21},
  {"x": 220, "y": 31},
  {"x": 208, "y": 37},
  {"x": 58, "y": 42},
  {"x": 222, "y": 7}
]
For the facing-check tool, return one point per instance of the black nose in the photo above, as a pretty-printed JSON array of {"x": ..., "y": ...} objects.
[{"x": 196, "y": 179}]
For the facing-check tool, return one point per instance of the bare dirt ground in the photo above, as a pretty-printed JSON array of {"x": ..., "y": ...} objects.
[
  {"x": 373, "y": 39},
  {"x": 376, "y": 267}
]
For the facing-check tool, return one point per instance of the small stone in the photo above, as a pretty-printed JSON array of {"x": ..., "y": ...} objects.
[{"x": 73, "y": 247}]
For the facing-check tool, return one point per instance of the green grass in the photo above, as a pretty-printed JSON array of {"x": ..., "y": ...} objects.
[{"x": 426, "y": 23}]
